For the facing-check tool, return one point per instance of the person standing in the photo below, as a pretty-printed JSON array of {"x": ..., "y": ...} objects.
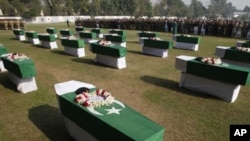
[
  {"x": 67, "y": 22},
  {"x": 166, "y": 26},
  {"x": 203, "y": 28},
  {"x": 174, "y": 25}
]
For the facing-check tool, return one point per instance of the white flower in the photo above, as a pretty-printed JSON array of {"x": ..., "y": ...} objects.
[
  {"x": 213, "y": 61},
  {"x": 72, "y": 37},
  {"x": 104, "y": 42},
  {"x": 245, "y": 49},
  {"x": 14, "y": 56},
  {"x": 97, "y": 99}
]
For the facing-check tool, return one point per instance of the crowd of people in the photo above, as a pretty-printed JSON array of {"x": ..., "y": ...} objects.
[{"x": 214, "y": 27}]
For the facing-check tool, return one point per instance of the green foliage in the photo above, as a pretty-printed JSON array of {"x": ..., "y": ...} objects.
[{"x": 135, "y": 8}]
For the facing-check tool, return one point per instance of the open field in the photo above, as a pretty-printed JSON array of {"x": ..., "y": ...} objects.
[{"x": 149, "y": 85}]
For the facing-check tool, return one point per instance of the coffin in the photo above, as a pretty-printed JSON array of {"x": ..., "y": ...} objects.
[
  {"x": 52, "y": 31},
  {"x": 22, "y": 73},
  {"x": 222, "y": 81},
  {"x": 98, "y": 31},
  {"x": 116, "y": 39},
  {"x": 187, "y": 42},
  {"x": 48, "y": 40},
  {"x": 32, "y": 37},
  {"x": 116, "y": 31},
  {"x": 233, "y": 56},
  {"x": 66, "y": 32},
  {"x": 102, "y": 124},
  {"x": 73, "y": 47},
  {"x": 156, "y": 47},
  {"x": 19, "y": 34}
]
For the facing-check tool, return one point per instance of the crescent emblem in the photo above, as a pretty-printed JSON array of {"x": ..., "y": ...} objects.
[{"x": 93, "y": 111}]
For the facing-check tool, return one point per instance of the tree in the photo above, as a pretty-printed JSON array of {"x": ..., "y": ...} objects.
[
  {"x": 170, "y": 8},
  {"x": 217, "y": 7},
  {"x": 144, "y": 9},
  {"x": 95, "y": 8},
  {"x": 197, "y": 9},
  {"x": 55, "y": 6},
  {"x": 80, "y": 7},
  {"x": 229, "y": 10}
]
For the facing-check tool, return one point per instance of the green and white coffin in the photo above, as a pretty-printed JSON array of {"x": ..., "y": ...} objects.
[
  {"x": 187, "y": 42},
  {"x": 109, "y": 50},
  {"x": 79, "y": 28},
  {"x": 19, "y": 34},
  {"x": 98, "y": 31},
  {"x": 48, "y": 40},
  {"x": 116, "y": 39},
  {"x": 52, "y": 30},
  {"x": 107, "y": 123},
  {"x": 233, "y": 56},
  {"x": 156, "y": 47},
  {"x": 75, "y": 47},
  {"x": 21, "y": 72},
  {"x": 32, "y": 37},
  {"x": 147, "y": 34},
  {"x": 66, "y": 32},
  {"x": 116, "y": 31},
  {"x": 111, "y": 55},
  {"x": 222, "y": 81},
  {"x": 240, "y": 43},
  {"x": 3, "y": 50},
  {"x": 87, "y": 36},
  {"x": 243, "y": 44}
]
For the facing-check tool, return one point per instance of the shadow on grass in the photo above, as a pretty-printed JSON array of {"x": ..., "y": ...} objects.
[
  {"x": 91, "y": 62},
  {"x": 173, "y": 85},
  {"x": 50, "y": 121},
  {"x": 27, "y": 42},
  {"x": 40, "y": 46},
  {"x": 14, "y": 38},
  {"x": 135, "y": 52},
  {"x": 60, "y": 52},
  {"x": 5, "y": 81},
  {"x": 84, "y": 60},
  {"x": 133, "y": 42}
]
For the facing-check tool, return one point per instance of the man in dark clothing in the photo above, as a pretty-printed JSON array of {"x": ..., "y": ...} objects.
[{"x": 68, "y": 23}]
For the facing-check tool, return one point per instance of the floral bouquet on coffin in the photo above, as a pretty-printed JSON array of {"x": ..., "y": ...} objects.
[
  {"x": 211, "y": 60},
  {"x": 104, "y": 42},
  {"x": 16, "y": 56},
  {"x": 86, "y": 31},
  {"x": 96, "y": 99},
  {"x": 145, "y": 31},
  {"x": 244, "y": 49},
  {"x": 72, "y": 37},
  {"x": 154, "y": 38}
]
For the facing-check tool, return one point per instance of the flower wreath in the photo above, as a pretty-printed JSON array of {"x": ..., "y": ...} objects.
[
  {"x": 99, "y": 98},
  {"x": 211, "y": 60},
  {"x": 104, "y": 42},
  {"x": 245, "y": 49},
  {"x": 14, "y": 56}
]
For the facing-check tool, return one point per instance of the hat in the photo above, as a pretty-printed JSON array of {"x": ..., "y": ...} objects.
[{"x": 82, "y": 89}]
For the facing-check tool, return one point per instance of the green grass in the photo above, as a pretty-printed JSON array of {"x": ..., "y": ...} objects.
[{"x": 149, "y": 85}]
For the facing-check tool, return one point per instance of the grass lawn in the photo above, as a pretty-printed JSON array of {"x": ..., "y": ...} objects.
[{"x": 149, "y": 85}]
